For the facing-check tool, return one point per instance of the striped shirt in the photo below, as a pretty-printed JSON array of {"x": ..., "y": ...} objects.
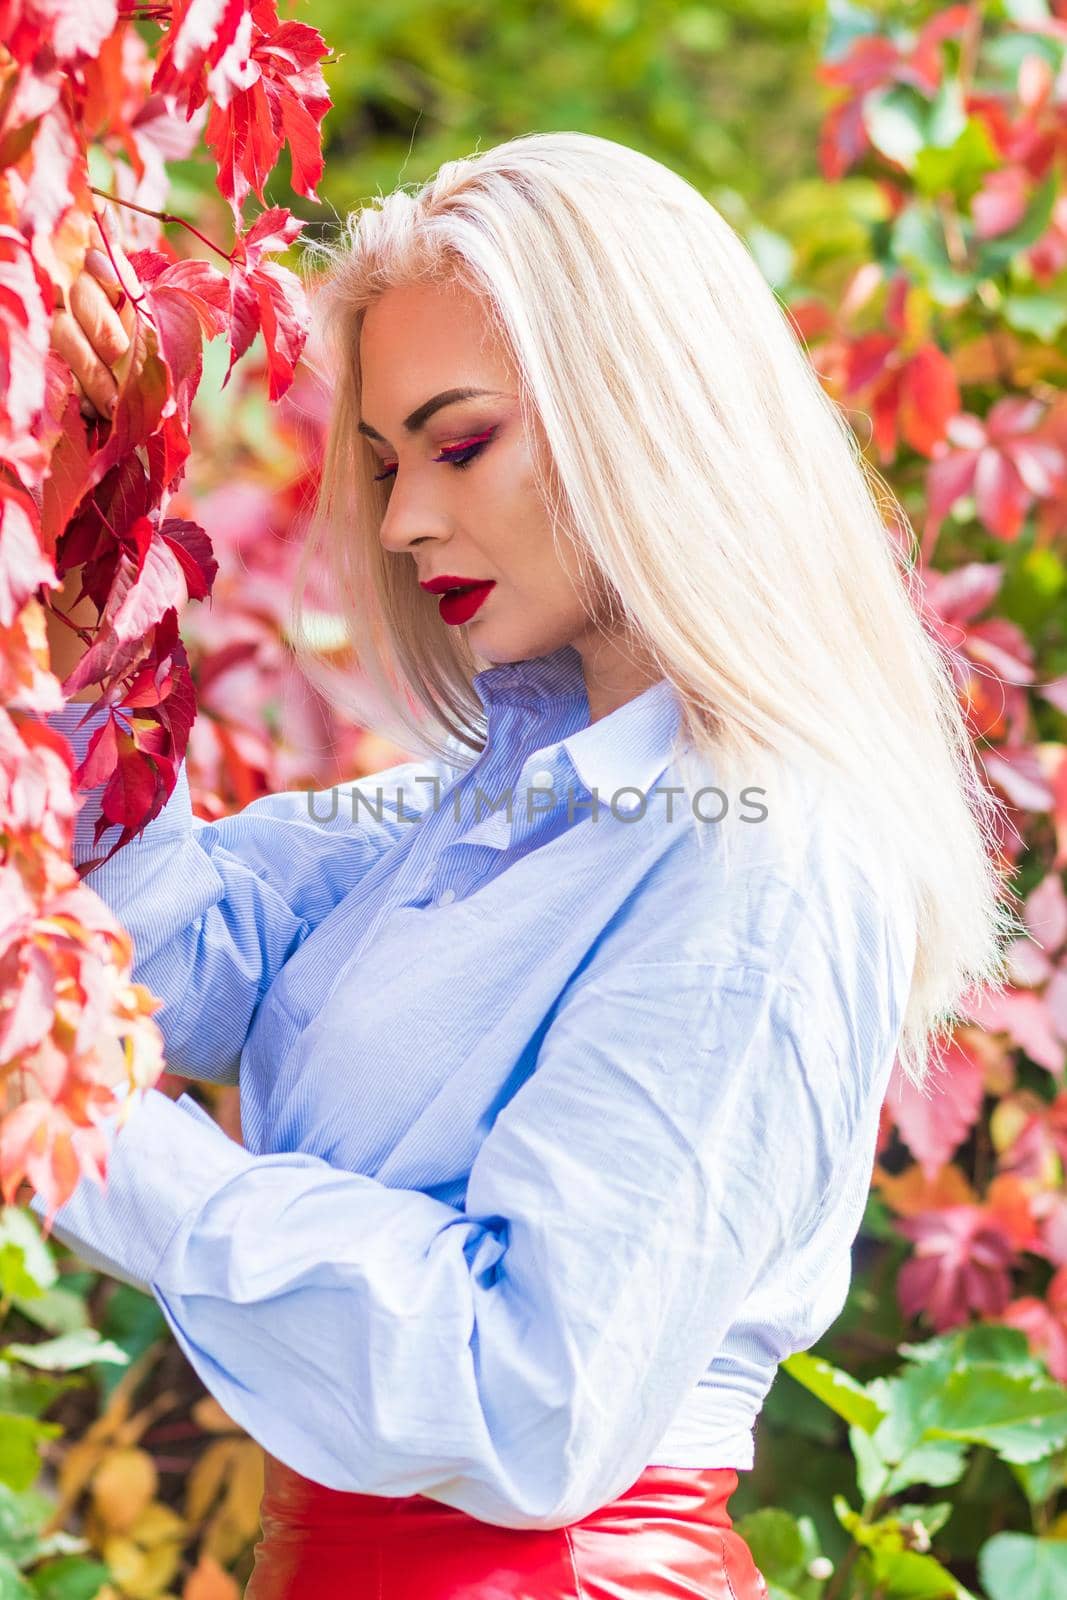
[{"x": 556, "y": 1133}]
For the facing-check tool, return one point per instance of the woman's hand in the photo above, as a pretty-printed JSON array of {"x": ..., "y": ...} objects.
[
  {"x": 91, "y": 337},
  {"x": 96, "y": 332}
]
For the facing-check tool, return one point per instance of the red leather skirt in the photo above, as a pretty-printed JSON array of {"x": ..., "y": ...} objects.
[{"x": 327, "y": 1544}]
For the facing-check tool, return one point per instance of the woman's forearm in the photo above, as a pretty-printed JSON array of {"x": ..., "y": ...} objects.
[{"x": 65, "y": 646}]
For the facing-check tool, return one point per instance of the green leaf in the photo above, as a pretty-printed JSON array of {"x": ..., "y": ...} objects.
[
  {"x": 847, "y": 23},
  {"x": 777, "y": 1543},
  {"x": 901, "y": 1451},
  {"x": 13, "y": 1585},
  {"x": 27, "y": 1394},
  {"x": 959, "y": 168},
  {"x": 1043, "y": 315},
  {"x": 58, "y": 1310},
  {"x": 1021, "y": 1418},
  {"x": 134, "y": 1321},
  {"x": 24, "y": 1252},
  {"x": 835, "y": 1388},
  {"x": 908, "y": 1575},
  {"x": 14, "y": 1279},
  {"x": 1015, "y": 1566},
  {"x": 1006, "y": 54},
  {"x": 902, "y": 123},
  {"x": 76, "y": 1349},
  {"x": 70, "y": 1578},
  {"x": 1040, "y": 1480},
  {"x": 1022, "y": 12},
  {"x": 946, "y": 119},
  {"x": 895, "y": 120},
  {"x": 979, "y": 1343},
  {"x": 917, "y": 243},
  {"x": 933, "y": 1514},
  {"x": 20, "y": 1518},
  {"x": 19, "y": 1437},
  {"x": 1034, "y": 589}
]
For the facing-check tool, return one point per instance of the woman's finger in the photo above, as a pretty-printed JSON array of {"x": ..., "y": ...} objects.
[
  {"x": 96, "y": 381},
  {"x": 85, "y": 405},
  {"x": 113, "y": 272},
  {"x": 127, "y": 315},
  {"x": 99, "y": 320},
  {"x": 122, "y": 294}
]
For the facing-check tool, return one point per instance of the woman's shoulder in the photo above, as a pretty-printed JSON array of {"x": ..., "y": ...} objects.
[{"x": 800, "y": 865}]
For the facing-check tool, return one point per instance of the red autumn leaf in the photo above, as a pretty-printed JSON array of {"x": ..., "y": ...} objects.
[
  {"x": 68, "y": 465},
  {"x": 911, "y": 394},
  {"x": 989, "y": 660},
  {"x": 961, "y": 1266},
  {"x": 39, "y": 1140},
  {"x": 1045, "y": 914},
  {"x": 192, "y": 547},
  {"x": 1025, "y": 1018},
  {"x": 1009, "y": 1202},
  {"x": 1017, "y": 771},
  {"x": 47, "y": 183},
  {"x": 1003, "y": 460},
  {"x": 1044, "y": 1324},
  {"x": 144, "y": 589},
  {"x": 934, "y": 1123},
  {"x": 201, "y": 32},
  {"x": 1001, "y": 202},
  {"x": 872, "y": 63},
  {"x": 154, "y": 136},
  {"x": 268, "y": 297},
  {"x": 958, "y": 596},
  {"x": 73, "y": 29},
  {"x": 187, "y": 301},
  {"x": 276, "y": 96},
  {"x": 25, "y": 317},
  {"x": 25, "y": 683},
  {"x": 23, "y": 566},
  {"x": 929, "y": 397},
  {"x": 1030, "y": 1138},
  {"x": 91, "y": 496}
]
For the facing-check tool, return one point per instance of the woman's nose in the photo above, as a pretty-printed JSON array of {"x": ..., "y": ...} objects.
[{"x": 409, "y": 522}]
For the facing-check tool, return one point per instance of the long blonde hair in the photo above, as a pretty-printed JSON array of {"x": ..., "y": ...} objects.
[{"x": 700, "y": 469}]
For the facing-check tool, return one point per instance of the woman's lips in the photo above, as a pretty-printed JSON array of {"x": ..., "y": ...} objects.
[{"x": 457, "y": 608}]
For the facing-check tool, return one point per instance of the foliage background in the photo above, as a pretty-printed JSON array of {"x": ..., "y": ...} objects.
[{"x": 729, "y": 95}]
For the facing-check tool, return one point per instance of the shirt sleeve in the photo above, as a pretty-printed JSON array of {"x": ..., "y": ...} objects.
[
  {"x": 518, "y": 1358},
  {"x": 216, "y": 909}
]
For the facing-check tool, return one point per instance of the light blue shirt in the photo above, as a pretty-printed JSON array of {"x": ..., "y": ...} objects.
[{"x": 556, "y": 1136}]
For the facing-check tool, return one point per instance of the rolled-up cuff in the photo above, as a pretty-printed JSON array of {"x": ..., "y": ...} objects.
[{"x": 163, "y": 1163}]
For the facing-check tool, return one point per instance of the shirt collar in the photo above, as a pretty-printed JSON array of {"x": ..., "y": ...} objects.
[
  {"x": 629, "y": 748},
  {"x": 555, "y": 676}
]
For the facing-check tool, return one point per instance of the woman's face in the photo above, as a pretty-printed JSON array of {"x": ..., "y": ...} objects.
[{"x": 462, "y": 501}]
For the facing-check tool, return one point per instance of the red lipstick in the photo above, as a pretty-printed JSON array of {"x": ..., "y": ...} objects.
[{"x": 460, "y": 597}]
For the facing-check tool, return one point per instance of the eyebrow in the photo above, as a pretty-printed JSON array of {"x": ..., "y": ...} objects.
[{"x": 422, "y": 414}]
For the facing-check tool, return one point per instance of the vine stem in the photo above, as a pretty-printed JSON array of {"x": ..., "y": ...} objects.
[
  {"x": 84, "y": 634},
  {"x": 164, "y": 216},
  {"x": 136, "y": 300},
  {"x": 841, "y": 1571}
]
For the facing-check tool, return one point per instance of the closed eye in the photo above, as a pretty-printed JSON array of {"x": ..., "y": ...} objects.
[{"x": 458, "y": 455}]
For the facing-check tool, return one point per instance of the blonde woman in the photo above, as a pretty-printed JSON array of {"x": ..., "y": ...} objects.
[{"x": 562, "y": 1046}]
